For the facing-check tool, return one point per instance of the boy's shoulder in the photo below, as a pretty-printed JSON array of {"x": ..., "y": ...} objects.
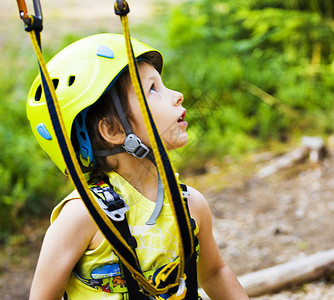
[
  {"x": 198, "y": 205},
  {"x": 195, "y": 195},
  {"x": 73, "y": 206}
]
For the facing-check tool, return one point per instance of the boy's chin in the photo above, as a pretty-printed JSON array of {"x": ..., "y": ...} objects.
[
  {"x": 184, "y": 142},
  {"x": 179, "y": 144}
]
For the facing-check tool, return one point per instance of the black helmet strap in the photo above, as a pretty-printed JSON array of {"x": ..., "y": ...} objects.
[{"x": 132, "y": 143}]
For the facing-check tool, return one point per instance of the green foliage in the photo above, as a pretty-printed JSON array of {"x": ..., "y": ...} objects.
[
  {"x": 250, "y": 71},
  {"x": 30, "y": 184},
  {"x": 265, "y": 65}
]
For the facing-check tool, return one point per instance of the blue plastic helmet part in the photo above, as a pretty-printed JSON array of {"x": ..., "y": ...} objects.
[{"x": 85, "y": 152}]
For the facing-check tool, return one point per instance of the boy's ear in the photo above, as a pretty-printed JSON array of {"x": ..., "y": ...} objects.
[{"x": 113, "y": 134}]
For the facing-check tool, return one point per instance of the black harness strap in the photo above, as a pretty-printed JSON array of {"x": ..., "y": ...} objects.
[
  {"x": 134, "y": 291},
  {"x": 114, "y": 202},
  {"x": 191, "y": 264},
  {"x": 65, "y": 297}
]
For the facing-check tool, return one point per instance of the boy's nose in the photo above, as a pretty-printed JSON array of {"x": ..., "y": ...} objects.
[{"x": 177, "y": 98}]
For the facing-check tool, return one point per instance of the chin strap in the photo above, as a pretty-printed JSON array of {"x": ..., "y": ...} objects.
[{"x": 132, "y": 143}]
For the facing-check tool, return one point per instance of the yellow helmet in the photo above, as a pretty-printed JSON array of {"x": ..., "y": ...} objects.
[{"x": 81, "y": 73}]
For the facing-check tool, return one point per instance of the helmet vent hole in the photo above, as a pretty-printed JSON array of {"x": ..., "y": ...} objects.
[
  {"x": 79, "y": 120},
  {"x": 71, "y": 80},
  {"x": 38, "y": 93},
  {"x": 83, "y": 136},
  {"x": 55, "y": 83}
]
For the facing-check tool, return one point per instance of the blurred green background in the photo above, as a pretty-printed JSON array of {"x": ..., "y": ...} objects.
[{"x": 254, "y": 73}]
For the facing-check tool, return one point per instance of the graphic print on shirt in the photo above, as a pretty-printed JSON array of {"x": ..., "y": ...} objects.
[{"x": 154, "y": 242}]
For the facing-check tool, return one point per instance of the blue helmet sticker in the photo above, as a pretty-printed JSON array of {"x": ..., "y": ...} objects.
[
  {"x": 43, "y": 132},
  {"x": 104, "y": 51}
]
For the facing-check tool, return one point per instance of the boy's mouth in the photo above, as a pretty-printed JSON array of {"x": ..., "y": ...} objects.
[{"x": 181, "y": 119}]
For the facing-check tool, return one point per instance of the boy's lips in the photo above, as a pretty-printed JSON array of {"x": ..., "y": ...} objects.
[
  {"x": 181, "y": 121},
  {"x": 182, "y": 117}
]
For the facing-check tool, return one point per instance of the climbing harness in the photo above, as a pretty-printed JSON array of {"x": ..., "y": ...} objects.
[
  {"x": 108, "y": 278},
  {"x": 112, "y": 225}
]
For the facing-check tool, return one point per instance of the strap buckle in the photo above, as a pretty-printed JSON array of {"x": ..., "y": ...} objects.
[
  {"x": 116, "y": 215},
  {"x": 134, "y": 146},
  {"x": 112, "y": 204}
]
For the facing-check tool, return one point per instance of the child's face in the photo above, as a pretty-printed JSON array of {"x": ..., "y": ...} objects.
[{"x": 165, "y": 105}]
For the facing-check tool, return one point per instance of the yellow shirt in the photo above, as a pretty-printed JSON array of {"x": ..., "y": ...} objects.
[{"x": 157, "y": 244}]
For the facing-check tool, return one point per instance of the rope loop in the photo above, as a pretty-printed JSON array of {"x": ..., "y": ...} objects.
[
  {"x": 32, "y": 23},
  {"x": 35, "y": 24},
  {"x": 121, "y": 8}
]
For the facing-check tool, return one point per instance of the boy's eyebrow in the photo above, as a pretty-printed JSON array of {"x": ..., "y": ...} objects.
[{"x": 151, "y": 78}]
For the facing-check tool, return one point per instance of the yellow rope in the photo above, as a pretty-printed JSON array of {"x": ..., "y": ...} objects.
[{"x": 132, "y": 69}]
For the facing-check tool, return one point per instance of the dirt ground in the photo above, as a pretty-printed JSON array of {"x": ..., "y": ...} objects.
[
  {"x": 265, "y": 222},
  {"x": 262, "y": 223}
]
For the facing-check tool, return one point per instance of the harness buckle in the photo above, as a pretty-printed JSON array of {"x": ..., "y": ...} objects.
[
  {"x": 117, "y": 215},
  {"x": 115, "y": 208},
  {"x": 135, "y": 146}
]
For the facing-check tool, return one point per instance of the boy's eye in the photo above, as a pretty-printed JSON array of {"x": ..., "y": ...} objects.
[{"x": 152, "y": 88}]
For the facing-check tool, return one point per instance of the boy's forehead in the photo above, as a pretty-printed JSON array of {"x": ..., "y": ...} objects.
[
  {"x": 148, "y": 71},
  {"x": 148, "y": 74}
]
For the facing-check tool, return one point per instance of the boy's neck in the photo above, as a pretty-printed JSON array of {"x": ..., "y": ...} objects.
[{"x": 140, "y": 173}]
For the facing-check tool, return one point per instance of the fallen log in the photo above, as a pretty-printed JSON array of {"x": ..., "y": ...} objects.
[
  {"x": 288, "y": 274},
  {"x": 285, "y": 275},
  {"x": 313, "y": 147},
  {"x": 285, "y": 161}
]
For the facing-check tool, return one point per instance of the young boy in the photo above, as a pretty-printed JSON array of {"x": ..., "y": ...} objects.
[{"x": 101, "y": 113}]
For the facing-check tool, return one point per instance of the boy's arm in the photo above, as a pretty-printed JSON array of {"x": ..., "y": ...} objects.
[
  {"x": 64, "y": 243},
  {"x": 216, "y": 278}
]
